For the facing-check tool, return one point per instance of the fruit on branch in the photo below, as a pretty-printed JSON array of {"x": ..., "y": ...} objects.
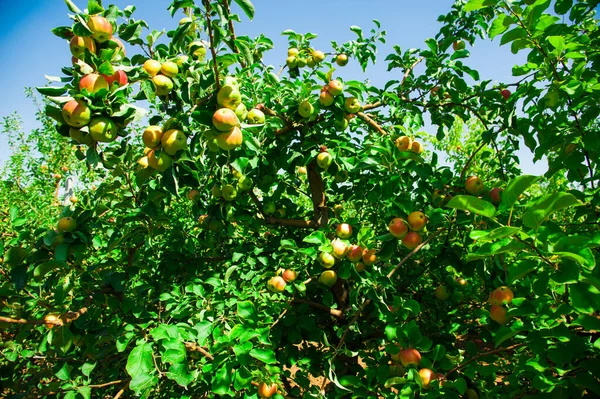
[
  {"x": 66, "y": 225},
  {"x": 80, "y": 136},
  {"x": 438, "y": 198},
  {"x": 118, "y": 48},
  {"x": 193, "y": 195},
  {"x": 306, "y": 109},
  {"x": 169, "y": 68},
  {"x": 241, "y": 112},
  {"x": 471, "y": 394},
  {"x": 229, "y": 192},
  {"x": 173, "y": 140},
  {"x": 93, "y": 83},
  {"x": 340, "y": 124},
  {"x": 289, "y": 275},
  {"x": 216, "y": 191},
  {"x": 496, "y": 195},
  {"x": 198, "y": 50},
  {"x": 276, "y": 284},
  {"x": 229, "y": 97},
  {"x": 335, "y": 87},
  {"x": 245, "y": 183},
  {"x": 404, "y": 143},
  {"x": 412, "y": 240},
  {"x": 325, "y": 98},
  {"x": 505, "y": 93},
  {"x": 427, "y": 376},
  {"x": 340, "y": 248},
  {"x": 341, "y": 176},
  {"x": 352, "y": 105},
  {"x": 327, "y": 260},
  {"x": 355, "y": 253},
  {"x": 266, "y": 391},
  {"x": 302, "y": 170},
  {"x": 341, "y": 60},
  {"x": 498, "y": 313},
  {"x": 501, "y": 295},
  {"x": 459, "y": 45},
  {"x": 462, "y": 282},
  {"x": 230, "y": 140},
  {"x": 407, "y": 357},
  {"x": 102, "y": 30},
  {"x": 225, "y": 120},
  {"x": 256, "y": 117},
  {"x": 291, "y": 62},
  {"x": 343, "y": 230},
  {"x": 50, "y": 320},
  {"x": 474, "y": 185},
  {"x": 119, "y": 77},
  {"x": 328, "y": 278},
  {"x": 269, "y": 208},
  {"x": 143, "y": 162},
  {"x": 417, "y": 220},
  {"x": 398, "y": 227},
  {"x": 78, "y": 44},
  {"x": 324, "y": 160},
  {"x": 416, "y": 147},
  {"x": 301, "y": 62},
  {"x": 189, "y": 20},
  {"x": 103, "y": 129},
  {"x": 152, "y": 136},
  {"x": 338, "y": 209},
  {"x": 160, "y": 163},
  {"x": 76, "y": 113},
  {"x": 292, "y": 52},
  {"x": 360, "y": 267},
  {"x": 369, "y": 257},
  {"x": 442, "y": 293},
  {"x": 152, "y": 67},
  {"x": 318, "y": 56},
  {"x": 163, "y": 84}
]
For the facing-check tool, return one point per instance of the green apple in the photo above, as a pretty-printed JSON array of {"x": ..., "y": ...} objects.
[
  {"x": 335, "y": 87},
  {"x": 76, "y": 113},
  {"x": 256, "y": 117},
  {"x": 163, "y": 84},
  {"x": 324, "y": 160},
  {"x": 169, "y": 68},
  {"x": 306, "y": 109},
  {"x": 328, "y": 278},
  {"x": 173, "y": 140},
  {"x": 241, "y": 112},
  {"x": 229, "y": 97},
  {"x": 327, "y": 260},
  {"x": 245, "y": 183},
  {"x": 340, "y": 124},
  {"x": 160, "y": 163},
  {"x": 318, "y": 56},
  {"x": 269, "y": 208},
  {"x": 103, "y": 129},
  {"x": 325, "y": 98},
  {"x": 229, "y": 192},
  {"x": 230, "y": 140},
  {"x": 341, "y": 60},
  {"x": 352, "y": 105}
]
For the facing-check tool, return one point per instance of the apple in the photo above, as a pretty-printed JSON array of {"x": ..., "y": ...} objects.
[
  {"x": 229, "y": 192},
  {"x": 416, "y": 147},
  {"x": 51, "y": 320},
  {"x": 427, "y": 376},
  {"x": 311, "y": 63},
  {"x": 301, "y": 62},
  {"x": 505, "y": 93},
  {"x": 398, "y": 227},
  {"x": 93, "y": 83},
  {"x": 324, "y": 160},
  {"x": 160, "y": 163},
  {"x": 343, "y": 230},
  {"x": 495, "y": 195},
  {"x": 266, "y": 391},
  {"x": 73, "y": 199},
  {"x": 229, "y": 97},
  {"x": 102, "y": 30},
  {"x": 498, "y": 313},
  {"x": 501, "y": 295},
  {"x": 292, "y": 52},
  {"x": 352, "y": 105},
  {"x": 325, "y": 98},
  {"x": 291, "y": 62},
  {"x": 276, "y": 284},
  {"x": 78, "y": 44},
  {"x": 119, "y": 77},
  {"x": 340, "y": 124},
  {"x": 163, "y": 84},
  {"x": 412, "y": 240},
  {"x": 474, "y": 185},
  {"x": 318, "y": 56},
  {"x": 360, "y": 267},
  {"x": 198, "y": 50},
  {"x": 216, "y": 192},
  {"x": 193, "y": 195},
  {"x": 302, "y": 170},
  {"x": 230, "y": 140},
  {"x": 471, "y": 394},
  {"x": 335, "y": 87},
  {"x": 256, "y": 117},
  {"x": 442, "y": 293},
  {"x": 306, "y": 109},
  {"x": 417, "y": 221},
  {"x": 354, "y": 253},
  {"x": 327, "y": 260},
  {"x": 289, "y": 275},
  {"x": 404, "y": 143},
  {"x": 152, "y": 136},
  {"x": 341, "y": 176},
  {"x": 570, "y": 148},
  {"x": 338, "y": 209},
  {"x": 340, "y": 248},
  {"x": 143, "y": 162},
  {"x": 328, "y": 278},
  {"x": 189, "y": 20},
  {"x": 241, "y": 112},
  {"x": 66, "y": 225},
  {"x": 76, "y": 113},
  {"x": 269, "y": 208},
  {"x": 80, "y": 136},
  {"x": 225, "y": 120},
  {"x": 462, "y": 282},
  {"x": 173, "y": 140},
  {"x": 407, "y": 357},
  {"x": 341, "y": 60},
  {"x": 245, "y": 183},
  {"x": 57, "y": 176},
  {"x": 458, "y": 45},
  {"x": 152, "y": 67},
  {"x": 369, "y": 257},
  {"x": 212, "y": 145},
  {"x": 169, "y": 68},
  {"x": 103, "y": 129}
]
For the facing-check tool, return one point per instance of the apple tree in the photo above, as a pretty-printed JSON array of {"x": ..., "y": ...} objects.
[{"x": 246, "y": 230}]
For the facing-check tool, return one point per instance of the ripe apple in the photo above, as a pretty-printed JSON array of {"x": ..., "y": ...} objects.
[
  {"x": 474, "y": 185},
  {"x": 225, "y": 120},
  {"x": 78, "y": 44},
  {"x": 335, "y": 87},
  {"x": 352, "y": 105},
  {"x": 160, "y": 163},
  {"x": 118, "y": 47},
  {"x": 289, "y": 275},
  {"x": 325, "y": 98},
  {"x": 458, "y": 45},
  {"x": 360, "y": 267},
  {"x": 306, "y": 109},
  {"x": 302, "y": 170},
  {"x": 501, "y": 295},
  {"x": 80, "y": 136},
  {"x": 408, "y": 357},
  {"x": 427, "y": 376},
  {"x": 173, "y": 140},
  {"x": 229, "y": 97},
  {"x": 241, "y": 112},
  {"x": 311, "y": 63},
  {"x": 152, "y": 136},
  {"x": 327, "y": 260},
  {"x": 462, "y": 282},
  {"x": 169, "y": 68},
  {"x": 495, "y": 195},
  {"x": 93, "y": 83},
  {"x": 76, "y": 113},
  {"x": 354, "y": 253},
  {"x": 328, "y": 278},
  {"x": 291, "y": 62},
  {"x": 369, "y": 257},
  {"x": 498, "y": 313},
  {"x": 398, "y": 227},
  {"x": 152, "y": 67},
  {"x": 103, "y": 129},
  {"x": 276, "y": 284},
  {"x": 193, "y": 195},
  {"x": 505, "y": 93},
  {"x": 318, "y": 56},
  {"x": 324, "y": 160},
  {"x": 266, "y": 391},
  {"x": 256, "y": 117},
  {"x": 102, "y": 30},
  {"x": 51, "y": 320},
  {"x": 340, "y": 248},
  {"x": 119, "y": 77},
  {"x": 343, "y": 230},
  {"x": 66, "y": 225},
  {"x": 163, "y": 84},
  {"x": 229, "y": 192},
  {"x": 412, "y": 240},
  {"x": 143, "y": 162},
  {"x": 245, "y": 183},
  {"x": 404, "y": 143},
  {"x": 416, "y": 147},
  {"x": 442, "y": 293},
  {"x": 417, "y": 220},
  {"x": 230, "y": 140},
  {"x": 341, "y": 60}
]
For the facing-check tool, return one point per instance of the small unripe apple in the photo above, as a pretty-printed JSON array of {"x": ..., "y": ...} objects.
[
  {"x": 355, "y": 253},
  {"x": 163, "y": 84},
  {"x": 438, "y": 197},
  {"x": 276, "y": 284},
  {"x": 328, "y": 278},
  {"x": 81, "y": 137},
  {"x": 442, "y": 293},
  {"x": 291, "y": 62},
  {"x": 427, "y": 376},
  {"x": 324, "y": 160},
  {"x": 343, "y": 230},
  {"x": 152, "y": 136},
  {"x": 76, "y": 113},
  {"x": 417, "y": 220},
  {"x": 160, "y": 163},
  {"x": 245, "y": 183},
  {"x": 256, "y": 117},
  {"x": 57, "y": 176},
  {"x": 225, "y": 119},
  {"x": 412, "y": 240},
  {"x": 301, "y": 62},
  {"x": 501, "y": 295},
  {"x": 404, "y": 143},
  {"x": 173, "y": 140},
  {"x": 198, "y": 50},
  {"x": 495, "y": 195},
  {"x": 269, "y": 208},
  {"x": 302, "y": 170},
  {"x": 398, "y": 227},
  {"x": 152, "y": 67},
  {"x": 498, "y": 313},
  {"x": 474, "y": 185},
  {"x": 327, "y": 260},
  {"x": 462, "y": 282},
  {"x": 340, "y": 124},
  {"x": 570, "y": 148},
  {"x": 458, "y": 45},
  {"x": 369, "y": 257},
  {"x": 306, "y": 109},
  {"x": 241, "y": 112},
  {"x": 360, "y": 267},
  {"x": 325, "y": 98},
  {"x": 73, "y": 199},
  {"x": 229, "y": 192},
  {"x": 335, "y": 87},
  {"x": 102, "y": 30},
  {"x": 352, "y": 105},
  {"x": 341, "y": 60},
  {"x": 66, "y": 225},
  {"x": 292, "y": 52},
  {"x": 103, "y": 129}
]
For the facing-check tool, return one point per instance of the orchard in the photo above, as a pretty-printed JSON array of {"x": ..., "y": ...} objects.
[{"x": 250, "y": 231}]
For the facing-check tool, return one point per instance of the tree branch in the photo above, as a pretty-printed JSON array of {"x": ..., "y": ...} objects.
[
  {"x": 414, "y": 251},
  {"x": 317, "y": 190},
  {"x": 334, "y": 312},
  {"x": 60, "y": 320},
  {"x": 232, "y": 31},
  {"x": 466, "y": 167},
  {"x": 193, "y": 347},
  {"x": 212, "y": 44},
  {"x": 369, "y": 121},
  {"x": 463, "y": 365},
  {"x": 300, "y": 223}
]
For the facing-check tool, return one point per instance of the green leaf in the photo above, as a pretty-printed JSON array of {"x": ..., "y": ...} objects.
[
  {"x": 516, "y": 33},
  {"x": 316, "y": 237},
  {"x": 562, "y": 6},
  {"x": 542, "y": 208},
  {"x": 585, "y": 298},
  {"x": 72, "y": 7},
  {"x": 264, "y": 355},
  {"x": 495, "y": 234},
  {"x": 247, "y": 311},
  {"x": 474, "y": 5},
  {"x": 514, "y": 189},
  {"x": 140, "y": 368},
  {"x": 500, "y": 25},
  {"x": 180, "y": 374},
  {"x": 472, "y": 204},
  {"x": 95, "y": 7},
  {"x": 64, "y": 373},
  {"x": 222, "y": 380},
  {"x": 247, "y": 7}
]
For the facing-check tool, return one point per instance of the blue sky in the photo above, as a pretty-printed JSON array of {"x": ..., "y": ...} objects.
[{"x": 30, "y": 50}]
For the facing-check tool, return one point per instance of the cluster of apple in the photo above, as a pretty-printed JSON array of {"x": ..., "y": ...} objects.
[
  {"x": 229, "y": 192},
  {"x": 306, "y": 57},
  {"x": 86, "y": 127},
  {"x": 162, "y": 75},
  {"x": 409, "y": 230},
  {"x": 277, "y": 283},
  {"x": 475, "y": 186},
  {"x": 409, "y": 357},
  {"x": 405, "y": 143},
  {"x": 341, "y": 249},
  {"x": 499, "y": 297},
  {"x": 167, "y": 141}
]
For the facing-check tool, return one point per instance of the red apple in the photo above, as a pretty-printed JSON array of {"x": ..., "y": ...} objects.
[
  {"x": 505, "y": 93},
  {"x": 344, "y": 230},
  {"x": 276, "y": 284},
  {"x": 225, "y": 119},
  {"x": 458, "y": 45},
  {"x": 78, "y": 44},
  {"x": 354, "y": 253},
  {"x": 412, "y": 240},
  {"x": 369, "y": 257},
  {"x": 495, "y": 195},
  {"x": 289, "y": 275},
  {"x": 474, "y": 185},
  {"x": 498, "y": 313},
  {"x": 398, "y": 227},
  {"x": 119, "y": 77},
  {"x": 408, "y": 357},
  {"x": 101, "y": 29},
  {"x": 427, "y": 376},
  {"x": 340, "y": 249},
  {"x": 501, "y": 295},
  {"x": 230, "y": 140},
  {"x": 442, "y": 293},
  {"x": 335, "y": 87},
  {"x": 93, "y": 83},
  {"x": 76, "y": 113},
  {"x": 325, "y": 98},
  {"x": 328, "y": 278}
]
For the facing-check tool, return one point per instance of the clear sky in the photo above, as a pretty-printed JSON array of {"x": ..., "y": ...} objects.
[{"x": 30, "y": 50}]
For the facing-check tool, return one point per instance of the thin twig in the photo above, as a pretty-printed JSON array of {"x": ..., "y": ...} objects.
[
  {"x": 463, "y": 365},
  {"x": 212, "y": 44}
]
